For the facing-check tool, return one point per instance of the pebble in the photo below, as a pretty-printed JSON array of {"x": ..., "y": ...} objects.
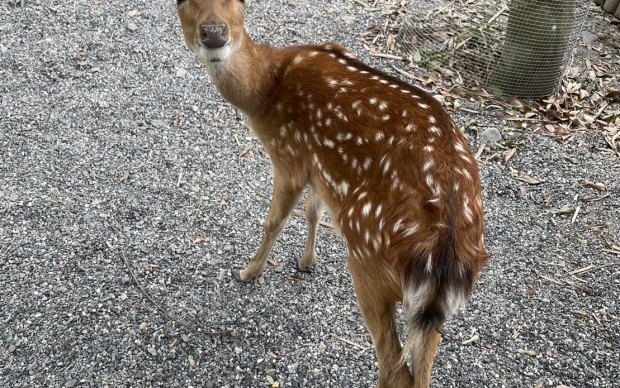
[
  {"x": 588, "y": 38},
  {"x": 491, "y": 135},
  {"x": 131, "y": 26}
]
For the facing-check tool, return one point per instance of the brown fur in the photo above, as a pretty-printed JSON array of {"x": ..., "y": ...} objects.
[{"x": 383, "y": 156}]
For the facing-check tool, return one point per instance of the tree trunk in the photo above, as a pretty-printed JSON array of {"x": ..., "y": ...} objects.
[
  {"x": 611, "y": 6},
  {"x": 535, "y": 46}
]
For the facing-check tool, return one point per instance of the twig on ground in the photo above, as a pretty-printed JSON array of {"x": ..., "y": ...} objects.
[
  {"x": 166, "y": 313},
  {"x": 322, "y": 223},
  {"x": 352, "y": 343}
]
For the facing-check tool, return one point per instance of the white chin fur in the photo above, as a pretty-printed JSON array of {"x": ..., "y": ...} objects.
[{"x": 212, "y": 57}]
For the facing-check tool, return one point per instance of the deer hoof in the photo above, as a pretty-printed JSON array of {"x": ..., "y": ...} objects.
[{"x": 237, "y": 274}]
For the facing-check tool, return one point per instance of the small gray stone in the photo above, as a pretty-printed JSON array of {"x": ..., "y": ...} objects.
[
  {"x": 181, "y": 73},
  {"x": 279, "y": 269},
  {"x": 158, "y": 123},
  {"x": 587, "y": 37},
  {"x": 70, "y": 383},
  {"x": 491, "y": 135},
  {"x": 132, "y": 26}
]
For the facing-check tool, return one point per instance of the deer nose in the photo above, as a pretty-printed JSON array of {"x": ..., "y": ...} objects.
[{"x": 214, "y": 36}]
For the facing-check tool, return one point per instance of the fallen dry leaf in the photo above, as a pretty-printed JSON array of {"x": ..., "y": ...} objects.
[
  {"x": 124, "y": 177},
  {"x": 528, "y": 179},
  {"x": 201, "y": 240},
  {"x": 294, "y": 278},
  {"x": 595, "y": 185},
  {"x": 510, "y": 154},
  {"x": 527, "y": 352}
]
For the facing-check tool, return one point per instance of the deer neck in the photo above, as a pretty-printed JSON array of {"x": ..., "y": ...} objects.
[{"x": 246, "y": 77}]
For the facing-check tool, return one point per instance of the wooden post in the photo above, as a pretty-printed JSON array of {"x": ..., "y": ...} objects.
[
  {"x": 535, "y": 45},
  {"x": 611, "y": 6}
]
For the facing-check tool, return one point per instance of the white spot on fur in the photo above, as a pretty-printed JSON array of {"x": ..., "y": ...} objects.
[
  {"x": 331, "y": 82},
  {"x": 385, "y": 117},
  {"x": 379, "y": 135},
  {"x": 372, "y": 101},
  {"x": 367, "y": 163},
  {"x": 366, "y": 209},
  {"x": 429, "y": 181},
  {"x": 387, "y": 166},
  {"x": 361, "y": 195},
  {"x": 429, "y": 263},
  {"x": 431, "y": 119},
  {"x": 466, "y": 158},
  {"x": 429, "y": 163},
  {"x": 411, "y": 230},
  {"x": 434, "y": 130},
  {"x": 343, "y": 188},
  {"x": 328, "y": 143},
  {"x": 467, "y": 210},
  {"x": 398, "y": 225},
  {"x": 410, "y": 127},
  {"x": 378, "y": 211},
  {"x": 383, "y": 105},
  {"x": 423, "y": 106},
  {"x": 429, "y": 148}
]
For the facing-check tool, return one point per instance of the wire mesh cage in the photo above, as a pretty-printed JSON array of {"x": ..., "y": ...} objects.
[{"x": 519, "y": 48}]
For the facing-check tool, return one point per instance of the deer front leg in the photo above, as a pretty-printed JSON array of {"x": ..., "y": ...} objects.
[
  {"x": 314, "y": 212},
  {"x": 286, "y": 193}
]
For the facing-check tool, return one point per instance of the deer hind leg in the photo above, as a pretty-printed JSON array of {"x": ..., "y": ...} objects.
[
  {"x": 314, "y": 212},
  {"x": 377, "y": 301},
  {"x": 422, "y": 355},
  {"x": 286, "y": 192}
]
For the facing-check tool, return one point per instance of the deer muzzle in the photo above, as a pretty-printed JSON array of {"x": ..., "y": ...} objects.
[{"x": 214, "y": 36}]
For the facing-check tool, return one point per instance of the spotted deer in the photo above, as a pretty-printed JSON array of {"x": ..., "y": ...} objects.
[{"x": 397, "y": 176}]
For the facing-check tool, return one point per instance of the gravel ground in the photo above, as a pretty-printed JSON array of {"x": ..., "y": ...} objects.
[{"x": 114, "y": 146}]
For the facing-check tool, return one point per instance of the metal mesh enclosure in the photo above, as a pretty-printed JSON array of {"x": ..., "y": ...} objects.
[{"x": 519, "y": 48}]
